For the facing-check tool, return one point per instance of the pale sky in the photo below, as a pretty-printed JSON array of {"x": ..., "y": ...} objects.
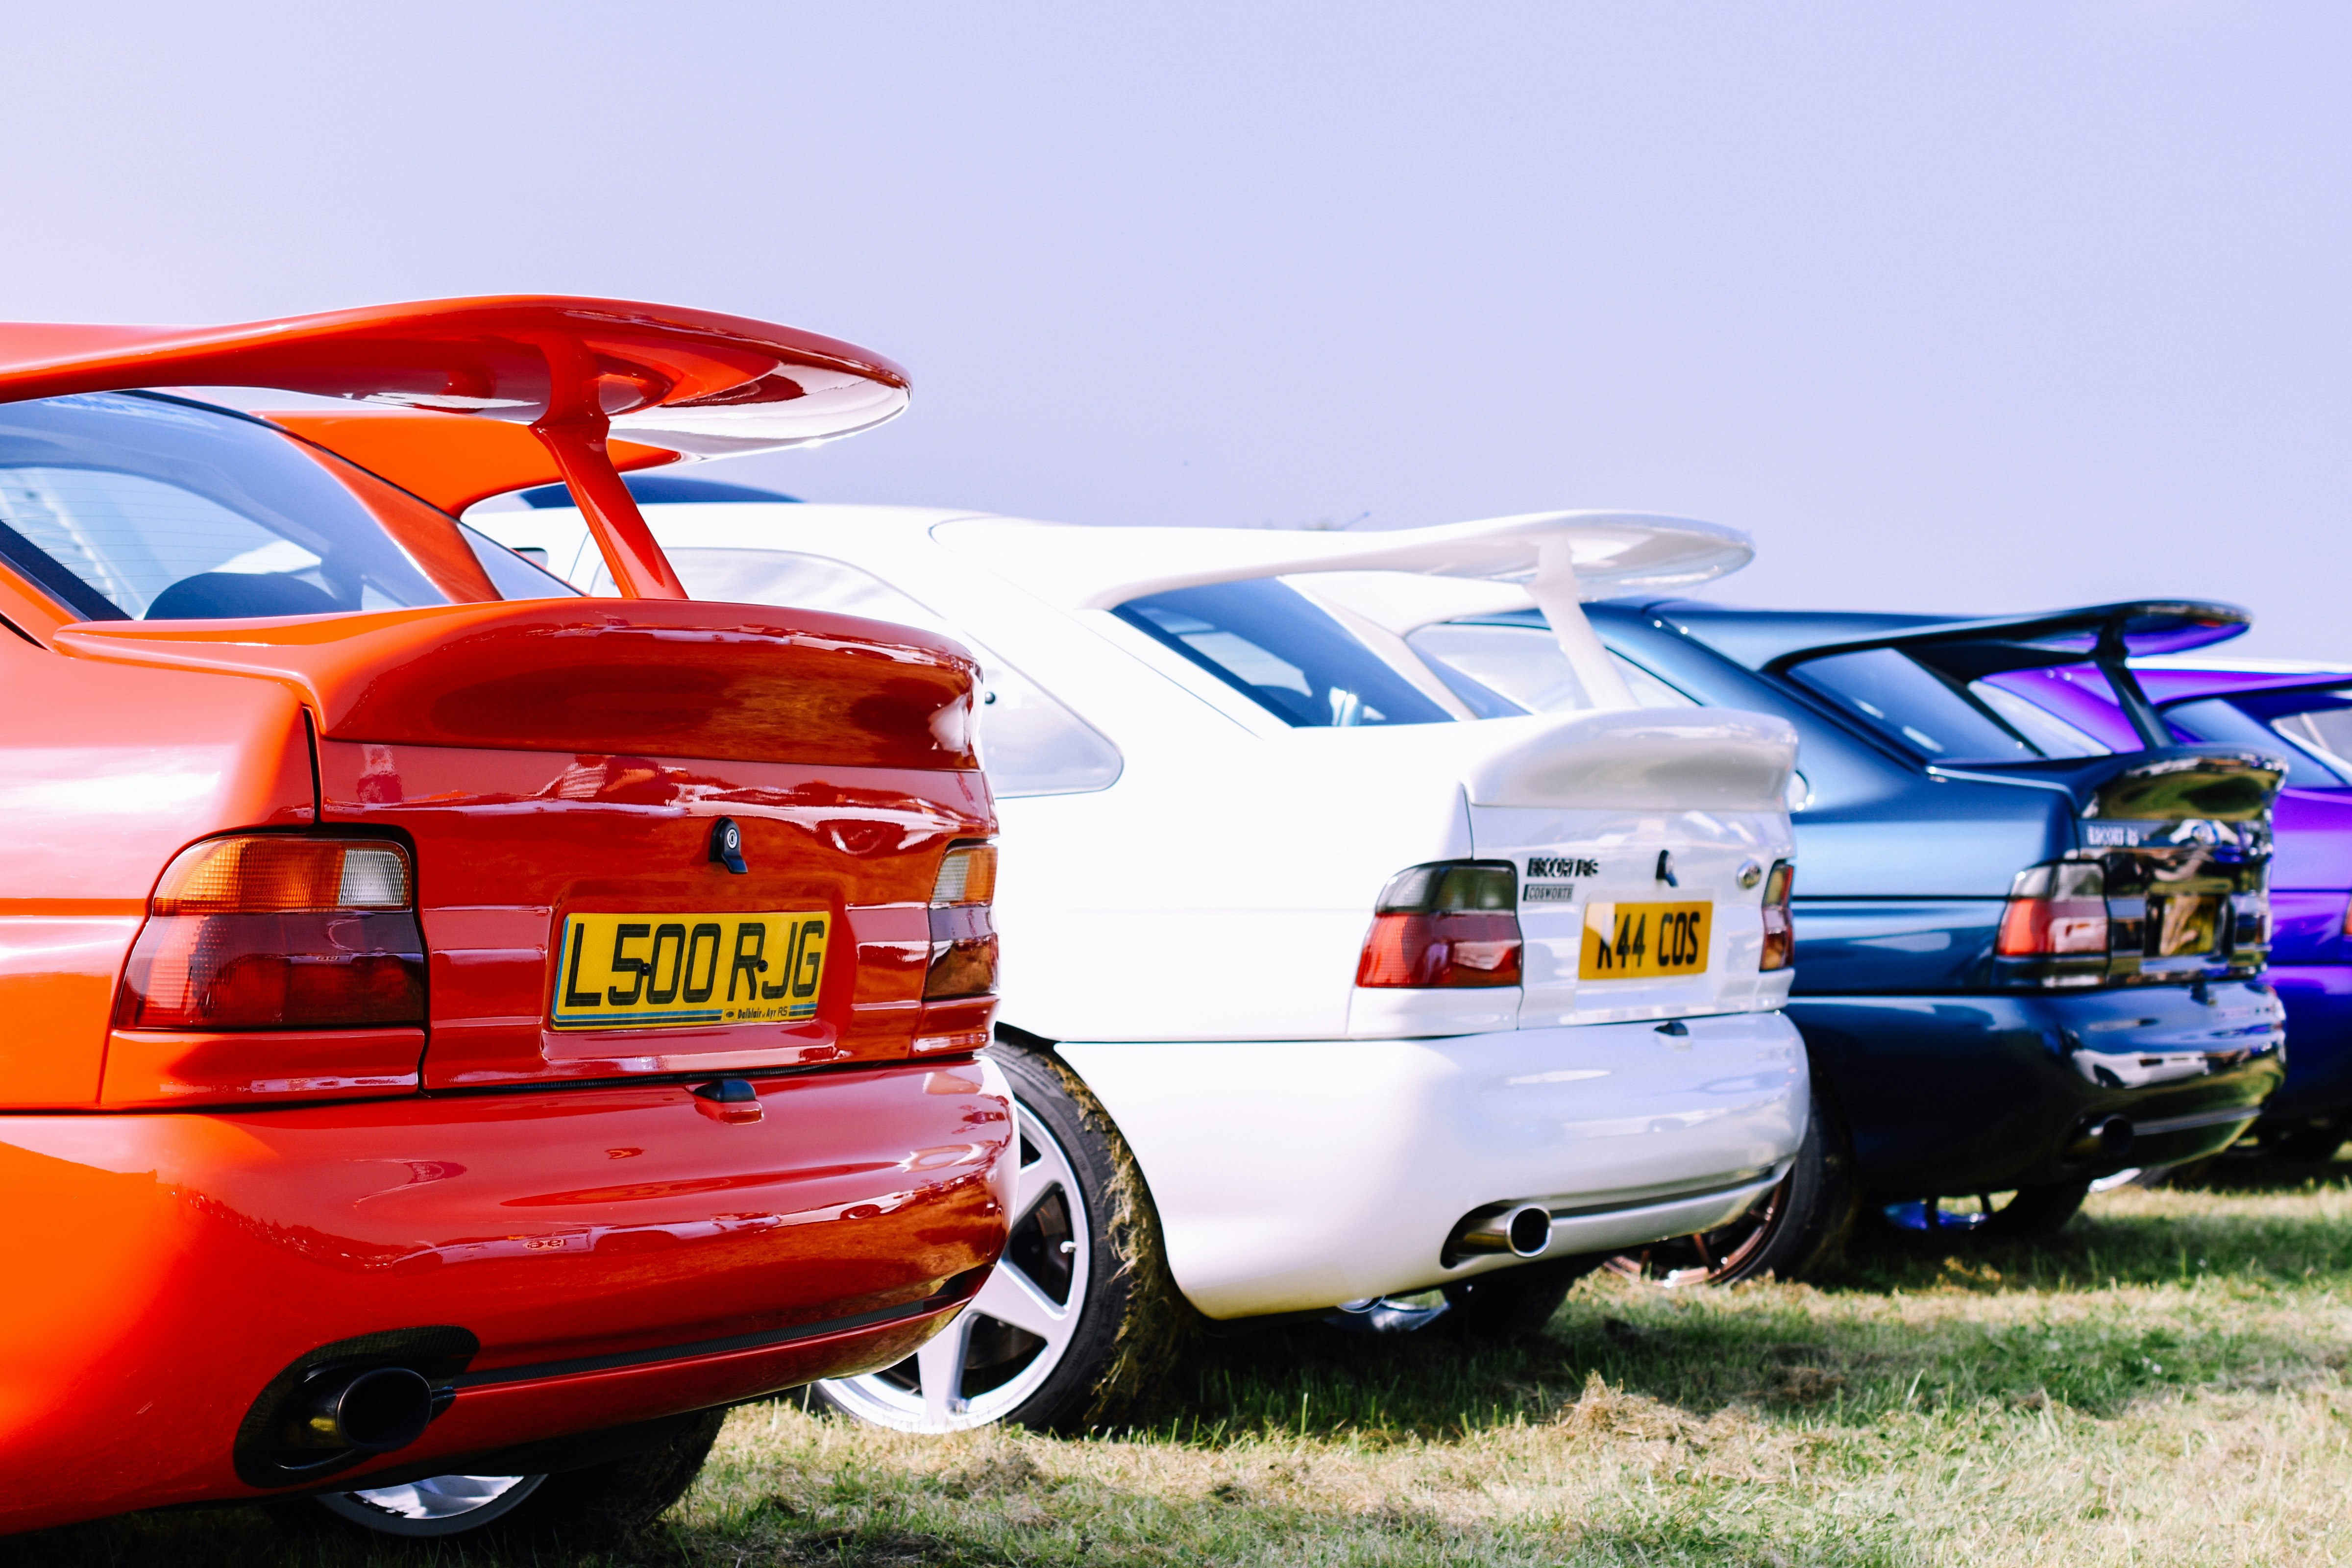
[{"x": 1962, "y": 307}]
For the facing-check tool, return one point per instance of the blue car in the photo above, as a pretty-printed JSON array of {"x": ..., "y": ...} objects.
[
  {"x": 2305, "y": 713},
  {"x": 2026, "y": 959}
]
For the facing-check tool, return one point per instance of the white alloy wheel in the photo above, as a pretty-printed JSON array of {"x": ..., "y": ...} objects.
[
  {"x": 1003, "y": 1346},
  {"x": 440, "y": 1505}
]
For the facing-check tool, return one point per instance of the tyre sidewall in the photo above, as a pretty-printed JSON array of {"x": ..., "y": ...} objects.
[
  {"x": 585, "y": 1509},
  {"x": 1041, "y": 1085},
  {"x": 1808, "y": 1235}
]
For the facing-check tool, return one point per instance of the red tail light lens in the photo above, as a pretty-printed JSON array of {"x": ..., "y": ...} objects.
[
  {"x": 2055, "y": 911},
  {"x": 1448, "y": 923},
  {"x": 1779, "y": 927},
  {"x": 963, "y": 929},
  {"x": 273, "y": 931}
]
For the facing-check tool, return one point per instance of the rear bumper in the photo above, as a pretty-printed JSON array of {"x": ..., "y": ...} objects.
[
  {"x": 620, "y": 1254},
  {"x": 2318, "y": 998},
  {"x": 1959, "y": 1093},
  {"x": 1292, "y": 1176}
]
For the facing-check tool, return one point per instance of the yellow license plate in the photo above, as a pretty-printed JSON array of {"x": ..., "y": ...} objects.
[
  {"x": 661, "y": 971},
  {"x": 1644, "y": 942}
]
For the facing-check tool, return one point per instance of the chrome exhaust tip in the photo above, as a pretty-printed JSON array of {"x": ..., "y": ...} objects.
[
  {"x": 369, "y": 1412},
  {"x": 1523, "y": 1230}
]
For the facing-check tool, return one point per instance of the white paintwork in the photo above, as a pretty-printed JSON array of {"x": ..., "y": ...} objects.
[
  {"x": 1342, "y": 1167},
  {"x": 1206, "y": 910}
]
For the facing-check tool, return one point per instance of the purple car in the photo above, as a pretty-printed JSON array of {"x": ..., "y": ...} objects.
[{"x": 2303, "y": 714}]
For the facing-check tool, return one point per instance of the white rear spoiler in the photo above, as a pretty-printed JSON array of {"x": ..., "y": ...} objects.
[{"x": 1561, "y": 558}]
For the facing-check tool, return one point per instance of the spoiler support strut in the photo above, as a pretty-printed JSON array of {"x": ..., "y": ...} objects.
[
  {"x": 574, "y": 430},
  {"x": 2146, "y": 722}
]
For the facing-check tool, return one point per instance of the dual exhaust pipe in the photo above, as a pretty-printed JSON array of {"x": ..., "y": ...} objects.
[{"x": 1522, "y": 1230}]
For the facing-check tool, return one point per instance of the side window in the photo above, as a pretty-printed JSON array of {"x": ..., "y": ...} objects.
[{"x": 1029, "y": 743}]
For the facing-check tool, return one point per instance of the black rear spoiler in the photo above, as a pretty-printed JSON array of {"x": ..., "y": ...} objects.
[{"x": 2103, "y": 635}]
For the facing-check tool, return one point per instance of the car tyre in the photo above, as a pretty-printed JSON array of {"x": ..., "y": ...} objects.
[
  {"x": 2034, "y": 1213},
  {"x": 1053, "y": 1345},
  {"x": 2302, "y": 1142},
  {"x": 1512, "y": 1303},
  {"x": 592, "y": 1507},
  {"x": 1797, "y": 1231}
]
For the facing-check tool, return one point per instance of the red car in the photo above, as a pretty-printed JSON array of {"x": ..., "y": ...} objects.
[{"x": 461, "y": 1036}]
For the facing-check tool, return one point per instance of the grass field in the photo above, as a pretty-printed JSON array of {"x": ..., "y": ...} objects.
[{"x": 2164, "y": 1383}]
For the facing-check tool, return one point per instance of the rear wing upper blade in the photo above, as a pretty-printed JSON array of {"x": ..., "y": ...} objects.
[
  {"x": 575, "y": 370},
  {"x": 2106, "y": 634},
  {"x": 1561, "y": 558}
]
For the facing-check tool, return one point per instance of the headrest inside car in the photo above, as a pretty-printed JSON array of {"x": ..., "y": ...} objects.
[{"x": 239, "y": 595}]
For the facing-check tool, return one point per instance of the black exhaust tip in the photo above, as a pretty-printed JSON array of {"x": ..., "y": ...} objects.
[
  {"x": 371, "y": 1412},
  {"x": 2102, "y": 1138}
]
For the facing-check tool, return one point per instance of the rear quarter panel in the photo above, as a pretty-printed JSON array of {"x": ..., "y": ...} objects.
[{"x": 105, "y": 772}]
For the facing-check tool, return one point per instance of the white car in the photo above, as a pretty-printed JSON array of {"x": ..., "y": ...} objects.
[{"x": 1471, "y": 1001}]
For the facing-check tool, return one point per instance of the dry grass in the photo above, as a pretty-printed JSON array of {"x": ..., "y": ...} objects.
[{"x": 2162, "y": 1384}]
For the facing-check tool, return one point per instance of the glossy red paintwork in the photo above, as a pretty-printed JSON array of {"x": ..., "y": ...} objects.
[
  {"x": 510, "y": 843},
  {"x": 106, "y": 772},
  {"x": 687, "y": 679},
  {"x": 197, "y": 1210},
  {"x": 447, "y": 458},
  {"x": 187, "y": 1258},
  {"x": 565, "y": 365}
]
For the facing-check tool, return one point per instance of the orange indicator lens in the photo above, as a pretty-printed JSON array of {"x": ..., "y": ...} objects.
[
  {"x": 271, "y": 874},
  {"x": 1779, "y": 927},
  {"x": 967, "y": 876}
]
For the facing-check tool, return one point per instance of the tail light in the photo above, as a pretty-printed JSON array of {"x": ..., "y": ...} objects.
[
  {"x": 2250, "y": 921},
  {"x": 274, "y": 931},
  {"x": 963, "y": 932},
  {"x": 2056, "y": 910},
  {"x": 1779, "y": 928},
  {"x": 1451, "y": 922}
]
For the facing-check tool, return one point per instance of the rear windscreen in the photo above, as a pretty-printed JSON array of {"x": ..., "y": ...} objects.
[
  {"x": 128, "y": 506},
  {"x": 1270, "y": 642},
  {"x": 2311, "y": 763},
  {"x": 1941, "y": 719}
]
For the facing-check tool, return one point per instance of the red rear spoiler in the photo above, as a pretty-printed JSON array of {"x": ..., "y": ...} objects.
[{"x": 575, "y": 370}]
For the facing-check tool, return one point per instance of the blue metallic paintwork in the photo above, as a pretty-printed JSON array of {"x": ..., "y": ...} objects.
[
  {"x": 1950, "y": 1088},
  {"x": 2318, "y": 998},
  {"x": 1965, "y": 1091},
  {"x": 2311, "y": 877},
  {"x": 1891, "y": 946}
]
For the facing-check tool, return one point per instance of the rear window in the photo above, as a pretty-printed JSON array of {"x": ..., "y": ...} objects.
[
  {"x": 2310, "y": 762},
  {"x": 2325, "y": 730},
  {"x": 131, "y": 506},
  {"x": 1940, "y": 720},
  {"x": 1271, "y": 643},
  {"x": 1525, "y": 666}
]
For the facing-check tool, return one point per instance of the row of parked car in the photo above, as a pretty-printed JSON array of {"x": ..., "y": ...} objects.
[{"x": 506, "y": 961}]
